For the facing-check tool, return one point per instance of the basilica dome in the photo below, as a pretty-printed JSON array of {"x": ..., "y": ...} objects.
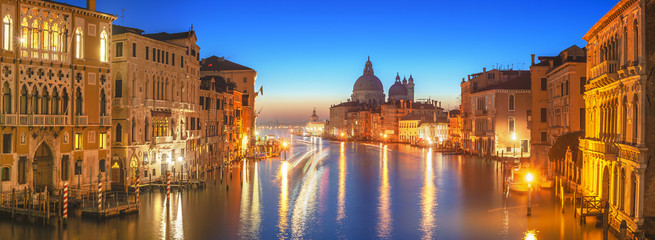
[
  {"x": 397, "y": 89},
  {"x": 368, "y": 81}
]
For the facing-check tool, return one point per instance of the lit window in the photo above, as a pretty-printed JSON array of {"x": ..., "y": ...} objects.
[
  {"x": 78, "y": 141},
  {"x": 103, "y": 140},
  {"x": 35, "y": 39},
  {"x": 103, "y": 47},
  {"x": 78, "y": 43},
  {"x": 55, "y": 42},
  {"x": 24, "y": 36},
  {"x": 6, "y": 33},
  {"x": 46, "y": 40}
]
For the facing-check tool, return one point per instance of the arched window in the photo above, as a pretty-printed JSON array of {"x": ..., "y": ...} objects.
[
  {"x": 616, "y": 185},
  {"x": 36, "y": 32},
  {"x": 78, "y": 102},
  {"x": 103, "y": 103},
  {"x": 119, "y": 133},
  {"x": 46, "y": 40},
  {"x": 55, "y": 102},
  {"x": 633, "y": 195},
  {"x": 7, "y": 41},
  {"x": 624, "y": 119},
  {"x": 24, "y": 37},
  {"x": 104, "y": 56},
  {"x": 511, "y": 102},
  {"x": 64, "y": 100},
  {"x": 636, "y": 43},
  {"x": 102, "y": 165},
  {"x": 118, "y": 85},
  {"x": 45, "y": 102},
  {"x": 133, "y": 132},
  {"x": 510, "y": 126},
  {"x": 622, "y": 190},
  {"x": 35, "y": 101},
  {"x": 78, "y": 43},
  {"x": 635, "y": 119},
  {"x": 6, "y": 98},
  {"x": 23, "y": 100},
  {"x": 56, "y": 39}
]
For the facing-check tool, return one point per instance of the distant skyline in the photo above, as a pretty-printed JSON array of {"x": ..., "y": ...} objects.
[{"x": 309, "y": 54}]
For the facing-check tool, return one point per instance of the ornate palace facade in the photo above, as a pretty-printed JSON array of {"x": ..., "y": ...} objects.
[
  {"x": 618, "y": 146},
  {"x": 56, "y": 85}
]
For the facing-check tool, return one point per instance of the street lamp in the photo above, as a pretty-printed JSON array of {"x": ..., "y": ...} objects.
[
  {"x": 529, "y": 178},
  {"x": 284, "y": 148}
]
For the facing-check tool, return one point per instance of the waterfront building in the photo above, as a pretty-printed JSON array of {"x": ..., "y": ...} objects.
[
  {"x": 454, "y": 128},
  {"x": 402, "y": 90},
  {"x": 216, "y": 114},
  {"x": 314, "y": 127},
  {"x": 244, "y": 78},
  {"x": 56, "y": 82},
  {"x": 368, "y": 88},
  {"x": 617, "y": 147},
  {"x": 432, "y": 133},
  {"x": 498, "y": 114},
  {"x": 154, "y": 108},
  {"x": 557, "y": 100}
]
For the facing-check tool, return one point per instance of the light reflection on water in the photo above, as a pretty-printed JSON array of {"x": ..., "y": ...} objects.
[
  {"x": 428, "y": 200},
  {"x": 384, "y": 203},
  {"x": 337, "y": 191}
]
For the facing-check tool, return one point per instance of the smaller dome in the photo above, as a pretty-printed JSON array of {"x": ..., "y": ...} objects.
[{"x": 397, "y": 89}]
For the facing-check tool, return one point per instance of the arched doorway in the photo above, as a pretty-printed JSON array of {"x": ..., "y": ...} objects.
[
  {"x": 605, "y": 192},
  {"x": 117, "y": 175},
  {"x": 43, "y": 167}
]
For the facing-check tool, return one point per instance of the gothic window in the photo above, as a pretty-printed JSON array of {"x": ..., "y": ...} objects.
[
  {"x": 636, "y": 43},
  {"x": 622, "y": 189},
  {"x": 23, "y": 100},
  {"x": 633, "y": 195},
  {"x": 65, "y": 161},
  {"x": 56, "y": 38},
  {"x": 35, "y": 101},
  {"x": 6, "y": 98},
  {"x": 22, "y": 170},
  {"x": 133, "y": 133},
  {"x": 635, "y": 119},
  {"x": 78, "y": 43},
  {"x": 624, "y": 118},
  {"x": 6, "y": 173},
  {"x": 511, "y": 102},
  {"x": 36, "y": 33},
  {"x": 45, "y": 102},
  {"x": 103, "y": 103},
  {"x": 104, "y": 57},
  {"x": 64, "y": 99},
  {"x": 24, "y": 37},
  {"x": 55, "y": 102},
  {"x": 78, "y": 102},
  {"x": 6, "y": 33},
  {"x": 46, "y": 40},
  {"x": 146, "y": 130},
  {"x": 119, "y": 133}
]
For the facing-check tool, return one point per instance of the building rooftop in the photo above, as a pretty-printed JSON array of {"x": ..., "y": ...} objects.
[
  {"x": 517, "y": 82},
  {"x": 215, "y": 63}
]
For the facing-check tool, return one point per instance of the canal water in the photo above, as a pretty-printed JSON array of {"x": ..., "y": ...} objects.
[{"x": 336, "y": 190}]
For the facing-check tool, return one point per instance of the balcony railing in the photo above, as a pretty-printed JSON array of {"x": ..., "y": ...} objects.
[
  {"x": 606, "y": 67},
  {"x": 150, "y": 102},
  {"x": 117, "y": 102},
  {"x": 162, "y": 104},
  {"x": 34, "y": 120},
  {"x": 81, "y": 120},
  {"x": 9, "y": 119},
  {"x": 480, "y": 112},
  {"x": 105, "y": 121},
  {"x": 135, "y": 102}
]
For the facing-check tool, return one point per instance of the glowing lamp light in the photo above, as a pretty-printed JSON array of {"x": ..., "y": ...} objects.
[
  {"x": 22, "y": 40},
  {"x": 256, "y": 133},
  {"x": 284, "y": 144},
  {"x": 529, "y": 178},
  {"x": 179, "y": 159},
  {"x": 513, "y": 136},
  {"x": 342, "y": 134},
  {"x": 385, "y": 135}
]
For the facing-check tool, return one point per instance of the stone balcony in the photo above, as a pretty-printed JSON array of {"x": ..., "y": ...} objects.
[
  {"x": 603, "y": 73},
  {"x": 81, "y": 120},
  {"x": 481, "y": 112},
  {"x": 105, "y": 121},
  {"x": 163, "y": 140},
  {"x": 608, "y": 149},
  {"x": 34, "y": 120}
]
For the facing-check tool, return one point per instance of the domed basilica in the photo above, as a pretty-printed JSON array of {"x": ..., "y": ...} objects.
[{"x": 368, "y": 88}]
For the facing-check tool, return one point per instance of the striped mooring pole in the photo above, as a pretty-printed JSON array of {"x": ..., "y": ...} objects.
[
  {"x": 138, "y": 186},
  {"x": 65, "y": 208},
  {"x": 168, "y": 189},
  {"x": 99, "y": 190}
]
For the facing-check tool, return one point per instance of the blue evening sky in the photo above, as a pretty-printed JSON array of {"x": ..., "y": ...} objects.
[{"x": 309, "y": 53}]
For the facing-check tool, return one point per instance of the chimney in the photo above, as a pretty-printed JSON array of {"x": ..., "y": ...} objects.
[
  {"x": 484, "y": 69},
  {"x": 532, "y": 55},
  {"x": 91, "y": 5}
]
